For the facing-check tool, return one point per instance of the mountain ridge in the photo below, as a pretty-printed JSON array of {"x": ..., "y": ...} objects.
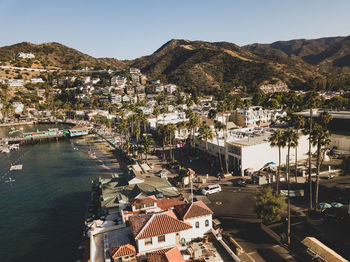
[{"x": 213, "y": 66}]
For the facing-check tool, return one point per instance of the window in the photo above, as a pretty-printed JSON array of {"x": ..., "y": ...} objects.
[
  {"x": 161, "y": 239},
  {"x": 207, "y": 223},
  {"x": 197, "y": 224},
  {"x": 148, "y": 241}
]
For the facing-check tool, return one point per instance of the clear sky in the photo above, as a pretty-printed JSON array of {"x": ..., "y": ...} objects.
[{"x": 127, "y": 29}]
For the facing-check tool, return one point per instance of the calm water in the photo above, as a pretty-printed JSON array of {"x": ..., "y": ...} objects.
[{"x": 41, "y": 214}]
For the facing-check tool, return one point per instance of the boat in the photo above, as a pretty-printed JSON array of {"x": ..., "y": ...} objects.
[
  {"x": 5, "y": 150},
  {"x": 16, "y": 167},
  {"x": 14, "y": 147},
  {"x": 10, "y": 180}
]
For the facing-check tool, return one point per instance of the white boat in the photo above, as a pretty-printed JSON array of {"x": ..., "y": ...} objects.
[
  {"x": 16, "y": 167},
  {"x": 14, "y": 147},
  {"x": 10, "y": 180},
  {"x": 5, "y": 150}
]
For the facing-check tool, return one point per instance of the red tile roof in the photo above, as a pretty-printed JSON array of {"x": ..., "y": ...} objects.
[
  {"x": 123, "y": 250},
  {"x": 190, "y": 171},
  {"x": 144, "y": 200},
  {"x": 166, "y": 203},
  {"x": 165, "y": 255},
  {"x": 191, "y": 210},
  {"x": 144, "y": 226}
]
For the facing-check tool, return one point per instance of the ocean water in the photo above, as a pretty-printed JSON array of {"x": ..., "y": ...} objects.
[{"x": 42, "y": 213}]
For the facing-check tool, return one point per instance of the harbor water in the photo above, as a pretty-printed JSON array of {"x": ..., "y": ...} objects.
[{"x": 42, "y": 212}]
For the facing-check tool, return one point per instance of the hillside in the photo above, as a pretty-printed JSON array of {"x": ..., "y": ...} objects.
[
  {"x": 212, "y": 66},
  {"x": 326, "y": 53},
  {"x": 55, "y": 55}
]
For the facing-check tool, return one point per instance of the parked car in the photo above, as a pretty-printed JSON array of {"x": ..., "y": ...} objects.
[{"x": 211, "y": 189}]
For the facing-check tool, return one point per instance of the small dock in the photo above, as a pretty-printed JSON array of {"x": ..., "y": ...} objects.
[{"x": 51, "y": 134}]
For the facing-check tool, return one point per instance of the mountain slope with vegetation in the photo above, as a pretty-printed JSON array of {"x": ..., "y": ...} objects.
[
  {"x": 55, "y": 55},
  {"x": 213, "y": 66},
  {"x": 329, "y": 53}
]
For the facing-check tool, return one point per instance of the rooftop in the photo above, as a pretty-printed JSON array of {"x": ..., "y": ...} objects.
[
  {"x": 191, "y": 210},
  {"x": 144, "y": 226},
  {"x": 165, "y": 255}
]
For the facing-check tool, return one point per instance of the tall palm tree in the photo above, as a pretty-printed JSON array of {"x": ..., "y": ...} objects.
[
  {"x": 219, "y": 126},
  {"x": 320, "y": 138},
  {"x": 312, "y": 100},
  {"x": 156, "y": 112},
  {"x": 276, "y": 140},
  {"x": 291, "y": 139},
  {"x": 171, "y": 133},
  {"x": 162, "y": 133},
  {"x": 205, "y": 133},
  {"x": 222, "y": 107},
  {"x": 194, "y": 122},
  {"x": 146, "y": 143},
  {"x": 298, "y": 122}
]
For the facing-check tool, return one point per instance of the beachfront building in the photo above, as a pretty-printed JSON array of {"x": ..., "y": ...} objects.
[
  {"x": 158, "y": 231},
  {"x": 250, "y": 148}
]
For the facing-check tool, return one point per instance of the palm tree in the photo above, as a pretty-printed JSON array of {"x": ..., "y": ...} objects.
[
  {"x": 205, "y": 133},
  {"x": 162, "y": 133},
  {"x": 311, "y": 99},
  {"x": 222, "y": 106},
  {"x": 298, "y": 122},
  {"x": 156, "y": 112},
  {"x": 146, "y": 143},
  {"x": 171, "y": 133},
  {"x": 291, "y": 139},
  {"x": 218, "y": 126},
  {"x": 320, "y": 138},
  {"x": 276, "y": 140},
  {"x": 194, "y": 122}
]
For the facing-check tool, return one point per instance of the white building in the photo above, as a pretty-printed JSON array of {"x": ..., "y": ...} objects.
[
  {"x": 15, "y": 82},
  {"x": 168, "y": 118},
  {"x": 36, "y": 80},
  {"x": 134, "y": 71},
  {"x": 170, "y": 228},
  {"x": 126, "y": 99},
  {"x": 159, "y": 89},
  {"x": 250, "y": 148},
  {"x": 255, "y": 116},
  {"x": 170, "y": 88},
  {"x": 116, "y": 98},
  {"x": 18, "y": 107},
  {"x": 25, "y": 55}
]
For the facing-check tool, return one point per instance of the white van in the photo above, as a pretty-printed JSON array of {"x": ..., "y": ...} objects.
[{"x": 211, "y": 189}]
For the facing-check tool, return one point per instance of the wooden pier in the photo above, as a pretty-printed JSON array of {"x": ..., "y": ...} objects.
[{"x": 51, "y": 134}]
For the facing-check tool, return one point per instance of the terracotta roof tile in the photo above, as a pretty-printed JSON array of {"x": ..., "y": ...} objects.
[
  {"x": 144, "y": 200},
  {"x": 123, "y": 250},
  {"x": 191, "y": 210},
  {"x": 157, "y": 224},
  {"x": 165, "y": 255},
  {"x": 166, "y": 203}
]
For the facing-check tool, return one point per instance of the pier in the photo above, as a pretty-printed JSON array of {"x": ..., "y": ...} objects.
[{"x": 51, "y": 134}]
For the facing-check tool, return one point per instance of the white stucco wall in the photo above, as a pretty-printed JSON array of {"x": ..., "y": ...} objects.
[
  {"x": 196, "y": 232},
  {"x": 256, "y": 156},
  {"x": 170, "y": 240}
]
